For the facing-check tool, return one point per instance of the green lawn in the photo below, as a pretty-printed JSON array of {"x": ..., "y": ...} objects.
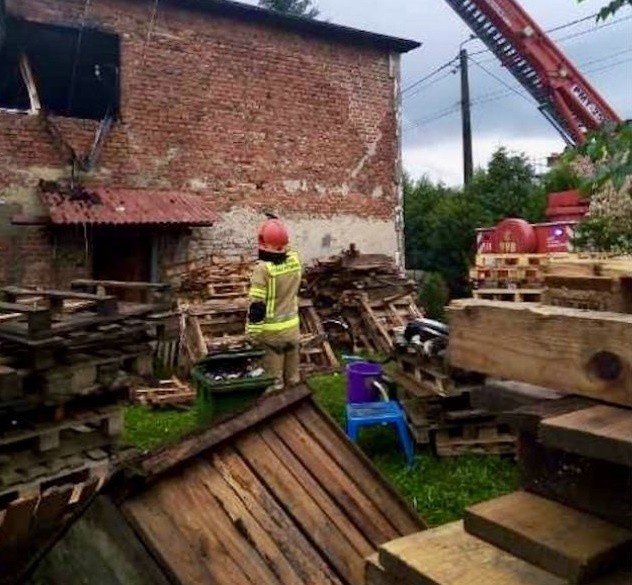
[{"x": 439, "y": 489}]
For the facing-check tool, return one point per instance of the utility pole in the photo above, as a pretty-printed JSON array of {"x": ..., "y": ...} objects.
[{"x": 468, "y": 164}]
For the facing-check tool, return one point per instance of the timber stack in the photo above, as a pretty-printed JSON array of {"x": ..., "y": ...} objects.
[
  {"x": 572, "y": 520},
  {"x": 67, "y": 360},
  {"x": 363, "y": 299},
  {"x": 212, "y": 295}
]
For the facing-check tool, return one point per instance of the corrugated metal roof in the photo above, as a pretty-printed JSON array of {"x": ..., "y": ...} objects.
[{"x": 127, "y": 206}]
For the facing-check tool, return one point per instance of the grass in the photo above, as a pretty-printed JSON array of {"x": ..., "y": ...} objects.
[{"x": 439, "y": 489}]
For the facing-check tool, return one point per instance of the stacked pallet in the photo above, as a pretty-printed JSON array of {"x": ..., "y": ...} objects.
[
  {"x": 572, "y": 520},
  {"x": 440, "y": 410},
  {"x": 365, "y": 292},
  {"x": 212, "y": 277},
  {"x": 219, "y": 325},
  {"x": 67, "y": 361},
  {"x": 509, "y": 277},
  {"x": 598, "y": 284}
]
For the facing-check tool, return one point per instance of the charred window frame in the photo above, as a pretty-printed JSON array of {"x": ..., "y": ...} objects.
[{"x": 65, "y": 71}]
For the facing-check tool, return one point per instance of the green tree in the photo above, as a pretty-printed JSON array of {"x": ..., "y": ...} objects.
[
  {"x": 508, "y": 188},
  {"x": 440, "y": 226},
  {"x": 304, "y": 8},
  {"x": 604, "y": 165},
  {"x": 440, "y": 222},
  {"x": 612, "y": 8}
]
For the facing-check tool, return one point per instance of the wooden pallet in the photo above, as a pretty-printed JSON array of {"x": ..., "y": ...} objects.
[
  {"x": 516, "y": 295},
  {"x": 509, "y": 260},
  {"x": 474, "y": 438},
  {"x": 168, "y": 394},
  {"x": 48, "y": 437}
]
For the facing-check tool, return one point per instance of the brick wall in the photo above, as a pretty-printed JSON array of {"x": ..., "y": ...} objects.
[{"x": 251, "y": 117}]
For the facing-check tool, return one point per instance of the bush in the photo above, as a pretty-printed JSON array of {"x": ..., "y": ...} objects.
[{"x": 434, "y": 295}]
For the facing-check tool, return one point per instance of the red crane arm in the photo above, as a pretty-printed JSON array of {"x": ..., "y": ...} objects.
[{"x": 564, "y": 95}]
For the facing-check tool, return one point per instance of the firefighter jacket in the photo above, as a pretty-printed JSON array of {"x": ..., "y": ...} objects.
[{"x": 277, "y": 286}]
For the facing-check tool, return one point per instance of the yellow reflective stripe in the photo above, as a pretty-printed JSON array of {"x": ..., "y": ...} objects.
[
  {"x": 257, "y": 292},
  {"x": 252, "y": 328},
  {"x": 271, "y": 298},
  {"x": 283, "y": 325}
]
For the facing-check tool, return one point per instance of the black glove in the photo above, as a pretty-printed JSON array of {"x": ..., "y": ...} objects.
[{"x": 257, "y": 312}]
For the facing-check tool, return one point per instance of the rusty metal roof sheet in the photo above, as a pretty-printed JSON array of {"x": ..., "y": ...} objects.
[{"x": 127, "y": 206}]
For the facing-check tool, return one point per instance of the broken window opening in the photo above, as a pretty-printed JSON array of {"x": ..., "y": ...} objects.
[{"x": 66, "y": 71}]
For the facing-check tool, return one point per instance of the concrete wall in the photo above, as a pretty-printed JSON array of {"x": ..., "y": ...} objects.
[{"x": 251, "y": 118}]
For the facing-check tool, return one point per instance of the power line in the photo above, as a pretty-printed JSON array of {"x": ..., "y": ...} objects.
[
  {"x": 419, "y": 88},
  {"x": 430, "y": 75},
  {"x": 498, "y": 95},
  {"x": 502, "y": 81},
  {"x": 486, "y": 50}
]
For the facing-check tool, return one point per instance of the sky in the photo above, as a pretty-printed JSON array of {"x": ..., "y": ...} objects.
[{"x": 502, "y": 112}]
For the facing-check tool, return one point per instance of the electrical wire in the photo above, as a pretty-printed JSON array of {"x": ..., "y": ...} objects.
[
  {"x": 503, "y": 82},
  {"x": 429, "y": 76},
  {"x": 498, "y": 95},
  {"x": 486, "y": 50}
]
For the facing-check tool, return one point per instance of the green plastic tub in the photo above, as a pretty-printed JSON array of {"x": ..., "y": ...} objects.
[{"x": 218, "y": 399}]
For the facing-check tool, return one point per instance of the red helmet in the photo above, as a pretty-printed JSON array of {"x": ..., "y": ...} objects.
[{"x": 273, "y": 236}]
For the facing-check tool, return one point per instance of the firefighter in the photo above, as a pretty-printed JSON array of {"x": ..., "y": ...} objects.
[{"x": 273, "y": 320}]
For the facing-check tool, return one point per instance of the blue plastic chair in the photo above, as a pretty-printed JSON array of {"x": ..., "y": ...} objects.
[
  {"x": 379, "y": 413},
  {"x": 368, "y": 414}
]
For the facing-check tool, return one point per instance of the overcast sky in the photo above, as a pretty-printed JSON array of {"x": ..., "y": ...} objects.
[{"x": 432, "y": 125}]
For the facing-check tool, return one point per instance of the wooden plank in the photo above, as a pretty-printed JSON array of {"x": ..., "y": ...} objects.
[
  {"x": 231, "y": 538},
  {"x": 256, "y": 543},
  {"x": 369, "y": 519},
  {"x": 580, "y": 352},
  {"x": 348, "y": 456},
  {"x": 311, "y": 484},
  {"x": 17, "y": 520},
  {"x": 450, "y": 556},
  {"x": 527, "y": 418},
  {"x": 328, "y": 532},
  {"x": 596, "y": 487},
  {"x": 175, "y": 531},
  {"x": 53, "y": 505},
  {"x": 601, "y": 432},
  {"x": 267, "y": 511},
  {"x": 168, "y": 457},
  {"x": 568, "y": 543}
]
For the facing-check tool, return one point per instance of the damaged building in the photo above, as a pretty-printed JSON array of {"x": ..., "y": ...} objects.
[{"x": 138, "y": 134}]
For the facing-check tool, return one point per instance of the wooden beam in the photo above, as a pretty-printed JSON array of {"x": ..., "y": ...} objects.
[
  {"x": 600, "y": 432},
  {"x": 169, "y": 457},
  {"x": 579, "y": 352},
  {"x": 539, "y": 531}
]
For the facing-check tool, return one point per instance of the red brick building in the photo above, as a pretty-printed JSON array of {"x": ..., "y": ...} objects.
[{"x": 138, "y": 133}]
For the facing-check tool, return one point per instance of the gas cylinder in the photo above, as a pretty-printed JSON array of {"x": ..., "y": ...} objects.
[{"x": 514, "y": 236}]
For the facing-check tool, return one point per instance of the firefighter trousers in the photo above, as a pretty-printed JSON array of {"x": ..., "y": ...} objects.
[{"x": 282, "y": 357}]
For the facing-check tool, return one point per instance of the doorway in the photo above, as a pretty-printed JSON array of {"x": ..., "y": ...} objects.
[{"x": 123, "y": 254}]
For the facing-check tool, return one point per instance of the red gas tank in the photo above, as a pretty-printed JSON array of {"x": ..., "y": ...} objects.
[{"x": 514, "y": 236}]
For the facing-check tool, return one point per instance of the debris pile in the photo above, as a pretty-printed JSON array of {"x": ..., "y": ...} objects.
[
  {"x": 67, "y": 361},
  {"x": 363, "y": 299}
]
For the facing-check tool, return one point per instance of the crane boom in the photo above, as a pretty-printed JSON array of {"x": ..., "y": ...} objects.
[{"x": 563, "y": 94}]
